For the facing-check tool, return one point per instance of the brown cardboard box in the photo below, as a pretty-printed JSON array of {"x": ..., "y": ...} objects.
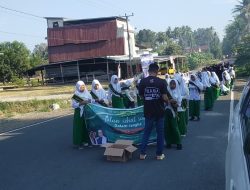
[{"x": 120, "y": 151}]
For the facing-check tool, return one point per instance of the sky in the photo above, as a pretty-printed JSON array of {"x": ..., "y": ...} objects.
[{"x": 156, "y": 15}]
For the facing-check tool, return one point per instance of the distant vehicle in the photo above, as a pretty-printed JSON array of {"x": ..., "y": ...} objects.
[{"x": 238, "y": 149}]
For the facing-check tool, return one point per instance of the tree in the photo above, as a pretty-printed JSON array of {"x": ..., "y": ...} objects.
[
  {"x": 243, "y": 50},
  {"x": 173, "y": 48},
  {"x": 39, "y": 55},
  {"x": 146, "y": 38},
  {"x": 238, "y": 28},
  {"x": 243, "y": 11},
  {"x": 14, "y": 60}
]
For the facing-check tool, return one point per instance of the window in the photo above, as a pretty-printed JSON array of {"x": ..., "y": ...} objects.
[{"x": 55, "y": 25}]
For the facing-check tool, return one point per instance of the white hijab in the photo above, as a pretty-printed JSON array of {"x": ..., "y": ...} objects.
[
  {"x": 167, "y": 78},
  {"x": 182, "y": 85},
  {"x": 226, "y": 76},
  {"x": 196, "y": 82},
  {"x": 100, "y": 92},
  {"x": 175, "y": 93},
  {"x": 215, "y": 78},
  {"x": 117, "y": 86},
  {"x": 85, "y": 95},
  {"x": 205, "y": 79}
]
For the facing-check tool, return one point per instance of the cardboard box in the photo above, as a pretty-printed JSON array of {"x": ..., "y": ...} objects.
[{"x": 120, "y": 151}]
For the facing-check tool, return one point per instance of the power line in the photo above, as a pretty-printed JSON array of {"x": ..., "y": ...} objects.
[
  {"x": 20, "y": 16},
  {"x": 13, "y": 33},
  {"x": 21, "y": 12}
]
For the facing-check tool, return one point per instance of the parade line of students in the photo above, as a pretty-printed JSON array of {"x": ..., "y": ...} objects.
[{"x": 183, "y": 91}]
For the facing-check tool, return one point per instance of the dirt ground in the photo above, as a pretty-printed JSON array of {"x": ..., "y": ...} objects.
[{"x": 18, "y": 121}]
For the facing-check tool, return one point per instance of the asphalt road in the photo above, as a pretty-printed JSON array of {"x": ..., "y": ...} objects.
[{"x": 42, "y": 158}]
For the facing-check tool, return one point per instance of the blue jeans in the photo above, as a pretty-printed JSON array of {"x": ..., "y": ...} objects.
[{"x": 150, "y": 123}]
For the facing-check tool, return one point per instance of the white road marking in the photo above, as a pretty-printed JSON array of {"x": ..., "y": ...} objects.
[
  {"x": 32, "y": 125},
  {"x": 230, "y": 124}
]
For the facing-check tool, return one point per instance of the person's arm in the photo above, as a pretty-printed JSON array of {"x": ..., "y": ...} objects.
[
  {"x": 164, "y": 92},
  {"x": 141, "y": 89}
]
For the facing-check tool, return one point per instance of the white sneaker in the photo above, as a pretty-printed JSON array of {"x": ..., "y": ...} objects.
[{"x": 161, "y": 157}]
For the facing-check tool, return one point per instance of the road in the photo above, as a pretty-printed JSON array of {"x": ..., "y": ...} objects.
[{"x": 42, "y": 158}]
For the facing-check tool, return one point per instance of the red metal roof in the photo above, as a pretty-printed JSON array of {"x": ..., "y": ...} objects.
[{"x": 88, "y": 40}]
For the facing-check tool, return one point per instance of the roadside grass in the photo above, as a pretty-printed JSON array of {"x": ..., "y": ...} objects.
[
  {"x": 41, "y": 91},
  {"x": 9, "y": 109},
  {"x": 243, "y": 70}
]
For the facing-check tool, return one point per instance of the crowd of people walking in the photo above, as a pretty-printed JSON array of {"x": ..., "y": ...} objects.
[{"x": 169, "y": 104}]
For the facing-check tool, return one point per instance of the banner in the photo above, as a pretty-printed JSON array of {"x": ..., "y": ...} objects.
[
  {"x": 109, "y": 124},
  {"x": 146, "y": 60}
]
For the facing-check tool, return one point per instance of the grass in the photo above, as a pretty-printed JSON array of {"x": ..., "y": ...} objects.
[
  {"x": 41, "y": 91},
  {"x": 9, "y": 109}
]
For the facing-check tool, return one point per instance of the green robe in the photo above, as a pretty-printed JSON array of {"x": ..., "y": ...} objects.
[
  {"x": 182, "y": 122},
  {"x": 231, "y": 83},
  {"x": 185, "y": 107},
  {"x": 214, "y": 93},
  {"x": 117, "y": 102},
  {"x": 80, "y": 132},
  {"x": 194, "y": 108},
  {"x": 139, "y": 101},
  {"x": 171, "y": 130},
  {"x": 208, "y": 98}
]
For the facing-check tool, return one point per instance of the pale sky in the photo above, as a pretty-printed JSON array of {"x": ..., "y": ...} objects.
[{"x": 156, "y": 15}]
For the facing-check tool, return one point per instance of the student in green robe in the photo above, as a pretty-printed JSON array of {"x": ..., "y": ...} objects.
[
  {"x": 183, "y": 110},
  {"x": 115, "y": 93},
  {"x": 195, "y": 89},
  {"x": 216, "y": 84},
  {"x": 232, "y": 75},
  {"x": 171, "y": 130},
  {"x": 208, "y": 95},
  {"x": 226, "y": 79},
  {"x": 98, "y": 93},
  {"x": 79, "y": 100}
]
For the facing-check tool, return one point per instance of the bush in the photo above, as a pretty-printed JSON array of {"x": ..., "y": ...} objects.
[
  {"x": 35, "y": 83},
  {"x": 196, "y": 60},
  {"x": 10, "y": 108},
  {"x": 19, "y": 82}
]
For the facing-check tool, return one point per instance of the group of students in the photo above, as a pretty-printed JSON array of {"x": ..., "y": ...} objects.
[
  {"x": 186, "y": 91},
  {"x": 184, "y": 88},
  {"x": 116, "y": 97}
]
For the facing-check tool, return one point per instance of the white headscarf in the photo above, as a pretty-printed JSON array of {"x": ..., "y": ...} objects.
[
  {"x": 100, "y": 92},
  {"x": 182, "y": 85},
  {"x": 117, "y": 86},
  {"x": 85, "y": 95},
  {"x": 175, "y": 93},
  {"x": 231, "y": 72},
  {"x": 167, "y": 78},
  {"x": 215, "y": 78},
  {"x": 226, "y": 76},
  {"x": 205, "y": 79},
  {"x": 196, "y": 82}
]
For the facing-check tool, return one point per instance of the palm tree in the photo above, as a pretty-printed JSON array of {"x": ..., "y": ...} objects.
[{"x": 243, "y": 11}]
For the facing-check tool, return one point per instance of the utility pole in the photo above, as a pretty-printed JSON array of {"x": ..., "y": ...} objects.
[{"x": 129, "y": 50}]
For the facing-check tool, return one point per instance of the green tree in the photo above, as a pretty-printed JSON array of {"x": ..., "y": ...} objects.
[
  {"x": 243, "y": 51},
  {"x": 146, "y": 38},
  {"x": 14, "y": 60},
  {"x": 243, "y": 11},
  {"x": 173, "y": 48},
  {"x": 39, "y": 55}
]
